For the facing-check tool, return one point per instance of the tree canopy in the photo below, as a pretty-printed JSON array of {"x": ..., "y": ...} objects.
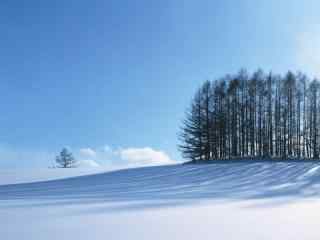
[{"x": 255, "y": 115}]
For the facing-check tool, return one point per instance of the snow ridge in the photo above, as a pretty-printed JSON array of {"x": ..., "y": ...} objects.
[{"x": 179, "y": 182}]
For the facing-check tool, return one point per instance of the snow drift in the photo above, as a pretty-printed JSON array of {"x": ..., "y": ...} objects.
[
  {"x": 242, "y": 201},
  {"x": 240, "y": 180}
]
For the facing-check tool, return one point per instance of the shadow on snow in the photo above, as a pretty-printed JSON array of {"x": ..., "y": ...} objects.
[{"x": 175, "y": 185}]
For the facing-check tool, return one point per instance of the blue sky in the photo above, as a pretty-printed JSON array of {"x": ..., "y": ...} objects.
[{"x": 119, "y": 74}]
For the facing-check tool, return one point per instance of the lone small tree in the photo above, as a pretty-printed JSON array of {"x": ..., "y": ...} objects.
[{"x": 65, "y": 159}]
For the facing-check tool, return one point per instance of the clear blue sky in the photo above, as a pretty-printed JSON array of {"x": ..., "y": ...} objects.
[{"x": 121, "y": 73}]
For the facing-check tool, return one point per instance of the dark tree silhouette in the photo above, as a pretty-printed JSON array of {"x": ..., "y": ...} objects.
[
  {"x": 253, "y": 116},
  {"x": 65, "y": 159}
]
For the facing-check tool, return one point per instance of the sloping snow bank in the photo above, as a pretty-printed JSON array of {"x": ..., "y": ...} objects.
[
  {"x": 45, "y": 174},
  {"x": 237, "y": 201},
  {"x": 213, "y": 181}
]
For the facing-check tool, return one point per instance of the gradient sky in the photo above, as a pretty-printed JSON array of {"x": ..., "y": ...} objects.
[{"x": 91, "y": 74}]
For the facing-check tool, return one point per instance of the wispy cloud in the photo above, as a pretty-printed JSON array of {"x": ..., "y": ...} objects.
[
  {"x": 124, "y": 157},
  {"x": 89, "y": 163},
  {"x": 88, "y": 157},
  {"x": 308, "y": 50},
  {"x": 87, "y": 152},
  {"x": 144, "y": 156}
]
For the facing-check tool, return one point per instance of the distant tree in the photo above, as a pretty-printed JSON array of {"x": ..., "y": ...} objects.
[{"x": 65, "y": 159}]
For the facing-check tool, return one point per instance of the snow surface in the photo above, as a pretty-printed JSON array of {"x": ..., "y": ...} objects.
[
  {"x": 259, "y": 200},
  {"x": 10, "y": 176}
]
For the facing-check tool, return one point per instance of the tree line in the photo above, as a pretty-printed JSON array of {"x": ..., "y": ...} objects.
[{"x": 255, "y": 115}]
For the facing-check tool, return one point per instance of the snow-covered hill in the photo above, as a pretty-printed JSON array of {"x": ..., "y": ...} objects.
[
  {"x": 257, "y": 200},
  {"x": 177, "y": 182},
  {"x": 14, "y": 176}
]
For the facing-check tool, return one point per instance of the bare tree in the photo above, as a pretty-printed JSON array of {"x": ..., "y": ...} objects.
[{"x": 254, "y": 116}]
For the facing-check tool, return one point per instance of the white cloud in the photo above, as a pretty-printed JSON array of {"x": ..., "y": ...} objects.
[
  {"x": 144, "y": 156},
  {"x": 124, "y": 157},
  {"x": 88, "y": 157},
  {"x": 308, "y": 50},
  {"x": 87, "y": 164},
  {"x": 88, "y": 152}
]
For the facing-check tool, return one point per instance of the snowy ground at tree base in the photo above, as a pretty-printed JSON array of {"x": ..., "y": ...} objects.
[{"x": 255, "y": 201}]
